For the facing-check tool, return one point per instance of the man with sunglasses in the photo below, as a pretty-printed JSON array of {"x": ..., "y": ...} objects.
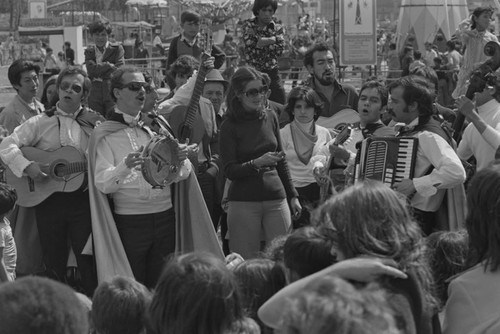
[
  {"x": 101, "y": 60},
  {"x": 62, "y": 216},
  {"x": 134, "y": 237},
  {"x": 487, "y": 106}
]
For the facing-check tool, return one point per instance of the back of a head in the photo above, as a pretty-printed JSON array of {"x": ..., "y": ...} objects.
[
  {"x": 259, "y": 280},
  {"x": 483, "y": 218},
  {"x": 447, "y": 255},
  {"x": 195, "y": 294},
  {"x": 332, "y": 305},
  {"x": 42, "y": 306},
  {"x": 369, "y": 218},
  {"x": 8, "y": 198},
  {"x": 119, "y": 306},
  {"x": 307, "y": 251}
]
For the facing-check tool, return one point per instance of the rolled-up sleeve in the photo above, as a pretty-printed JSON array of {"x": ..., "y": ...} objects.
[{"x": 448, "y": 170}]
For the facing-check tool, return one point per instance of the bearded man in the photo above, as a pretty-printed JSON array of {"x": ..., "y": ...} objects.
[{"x": 340, "y": 100}]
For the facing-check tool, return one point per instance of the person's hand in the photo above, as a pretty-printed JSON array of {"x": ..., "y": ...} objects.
[
  {"x": 339, "y": 152},
  {"x": 233, "y": 259},
  {"x": 265, "y": 41},
  {"x": 366, "y": 269},
  {"x": 295, "y": 207},
  {"x": 405, "y": 187},
  {"x": 33, "y": 171},
  {"x": 466, "y": 107},
  {"x": 320, "y": 176},
  {"x": 134, "y": 159},
  {"x": 269, "y": 159},
  {"x": 182, "y": 152},
  {"x": 209, "y": 64},
  {"x": 193, "y": 149}
]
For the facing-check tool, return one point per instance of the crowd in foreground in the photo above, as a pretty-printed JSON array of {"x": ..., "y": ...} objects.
[{"x": 316, "y": 241}]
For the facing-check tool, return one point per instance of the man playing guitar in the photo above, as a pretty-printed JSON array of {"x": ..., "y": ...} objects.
[{"x": 61, "y": 215}]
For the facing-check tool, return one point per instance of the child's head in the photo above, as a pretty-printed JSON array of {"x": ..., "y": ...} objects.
[
  {"x": 307, "y": 251},
  {"x": 119, "y": 306},
  {"x": 190, "y": 23},
  {"x": 8, "y": 198},
  {"x": 259, "y": 280},
  {"x": 195, "y": 294},
  {"x": 332, "y": 305},
  {"x": 41, "y": 305},
  {"x": 300, "y": 99},
  {"x": 372, "y": 101},
  {"x": 182, "y": 69},
  {"x": 417, "y": 54},
  {"x": 481, "y": 18},
  {"x": 447, "y": 255}
]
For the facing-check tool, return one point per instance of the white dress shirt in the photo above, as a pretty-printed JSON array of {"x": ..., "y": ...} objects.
[
  {"x": 130, "y": 191},
  {"x": 45, "y": 133},
  {"x": 447, "y": 173}
]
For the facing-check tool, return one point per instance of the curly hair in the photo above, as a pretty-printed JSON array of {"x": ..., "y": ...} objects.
[
  {"x": 369, "y": 218},
  {"x": 332, "y": 305},
  {"x": 195, "y": 294},
  {"x": 8, "y": 198}
]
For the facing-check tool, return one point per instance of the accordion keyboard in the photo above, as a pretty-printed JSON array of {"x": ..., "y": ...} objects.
[{"x": 387, "y": 159}]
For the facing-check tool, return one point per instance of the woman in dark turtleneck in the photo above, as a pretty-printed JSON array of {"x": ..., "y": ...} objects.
[{"x": 254, "y": 161}]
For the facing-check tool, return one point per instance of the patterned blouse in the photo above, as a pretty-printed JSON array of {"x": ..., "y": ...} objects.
[{"x": 265, "y": 58}]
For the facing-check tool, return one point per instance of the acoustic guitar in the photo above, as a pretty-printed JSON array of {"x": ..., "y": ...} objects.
[
  {"x": 341, "y": 138},
  {"x": 65, "y": 168}
]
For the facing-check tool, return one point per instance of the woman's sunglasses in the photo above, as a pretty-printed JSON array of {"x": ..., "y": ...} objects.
[
  {"x": 254, "y": 92},
  {"x": 136, "y": 86},
  {"x": 65, "y": 85}
]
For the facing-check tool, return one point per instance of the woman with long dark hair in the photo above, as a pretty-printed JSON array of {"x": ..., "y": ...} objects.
[{"x": 253, "y": 159}]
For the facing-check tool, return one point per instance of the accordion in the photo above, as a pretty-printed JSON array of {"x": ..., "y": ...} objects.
[{"x": 386, "y": 159}]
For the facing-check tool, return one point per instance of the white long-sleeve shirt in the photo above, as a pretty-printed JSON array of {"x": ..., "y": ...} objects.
[
  {"x": 473, "y": 143},
  {"x": 130, "y": 191},
  {"x": 45, "y": 133},
  {"x": 447, "y": 173}
]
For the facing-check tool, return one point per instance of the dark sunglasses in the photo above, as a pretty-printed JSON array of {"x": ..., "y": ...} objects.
[
  {"x": 254, "y": 92},
  {"x": 136, "y": 86},
  {"x": 65, "y": 85}
]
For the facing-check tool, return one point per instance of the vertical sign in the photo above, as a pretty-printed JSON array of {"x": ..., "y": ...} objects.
[
  {"x": 358, "y": 33},
  {"x": 38, "y": 9}
]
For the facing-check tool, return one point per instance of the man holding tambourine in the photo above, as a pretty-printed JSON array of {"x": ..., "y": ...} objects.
[{"x": 134, "y": 235}]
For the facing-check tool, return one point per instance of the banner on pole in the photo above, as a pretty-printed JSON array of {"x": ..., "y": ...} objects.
[{"x": 358, "y": 32}]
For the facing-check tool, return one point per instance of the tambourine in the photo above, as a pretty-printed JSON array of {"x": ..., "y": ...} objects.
[{"x": 161, "y": 161}]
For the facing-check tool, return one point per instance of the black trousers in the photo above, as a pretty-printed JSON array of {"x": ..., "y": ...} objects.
[
  {"x": 62, "y": 217},
  {"x": 148, "y": 239}
]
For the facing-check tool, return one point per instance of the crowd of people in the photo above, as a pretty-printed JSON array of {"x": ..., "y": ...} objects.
[{"x": 114, "y": 196}]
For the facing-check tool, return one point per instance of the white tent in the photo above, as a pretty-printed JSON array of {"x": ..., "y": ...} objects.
[{"x": 423, "y": 21}]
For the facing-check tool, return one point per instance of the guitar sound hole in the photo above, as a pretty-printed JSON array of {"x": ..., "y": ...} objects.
[{"x": 59, "y": 170}]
